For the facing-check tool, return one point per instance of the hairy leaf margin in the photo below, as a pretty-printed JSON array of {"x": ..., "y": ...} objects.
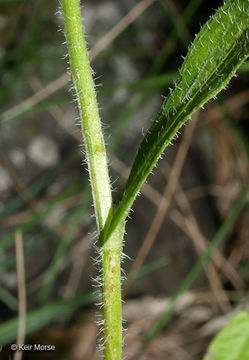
[{"x": 217, "y": 52}]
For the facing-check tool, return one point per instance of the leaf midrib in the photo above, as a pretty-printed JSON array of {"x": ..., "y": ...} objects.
[{"x": 190, "y": 101}]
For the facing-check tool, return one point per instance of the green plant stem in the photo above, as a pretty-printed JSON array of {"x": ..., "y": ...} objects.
[
  {"x": 110, "y": 251},
  {"x": 90, "y": 120}
]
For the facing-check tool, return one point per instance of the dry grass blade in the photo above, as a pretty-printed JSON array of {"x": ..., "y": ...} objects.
[
  {"x": 61, "y": 81},
  {"x": 20, "y": 267}
]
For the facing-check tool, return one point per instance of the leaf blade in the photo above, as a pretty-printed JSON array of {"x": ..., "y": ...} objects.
[
  {"x": 232, "y": 342},
  {"x": 207, "y": 69}
]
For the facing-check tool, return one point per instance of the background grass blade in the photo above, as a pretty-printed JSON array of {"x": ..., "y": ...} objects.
[
  {"x": 40, "y": 318},
  {"x": 209, "y": 66},
  {"x": 193, "y": 274}
]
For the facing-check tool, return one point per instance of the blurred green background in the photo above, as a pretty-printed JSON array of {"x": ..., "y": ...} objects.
[{"x": 197, "y": 194}]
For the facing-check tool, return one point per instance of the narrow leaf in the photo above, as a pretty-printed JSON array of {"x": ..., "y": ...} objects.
[
  {"x": 215, "y": 55},
  {"x": 232, "y": 342}
]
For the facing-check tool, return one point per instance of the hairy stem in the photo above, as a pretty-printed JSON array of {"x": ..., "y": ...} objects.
[
  {"x": 90, "y": 120},
  {"x": 97, "y": 164}
]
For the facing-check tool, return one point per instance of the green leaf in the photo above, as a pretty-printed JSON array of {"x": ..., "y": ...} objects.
[
  {"x": 216, "y": 53},
  {"x": 232, "y": 342}
]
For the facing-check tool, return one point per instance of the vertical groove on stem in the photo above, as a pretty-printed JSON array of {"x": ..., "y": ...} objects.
[{"x": 98, "y": 171}]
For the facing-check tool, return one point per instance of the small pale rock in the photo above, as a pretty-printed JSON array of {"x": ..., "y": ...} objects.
[
  {"x": 5, "y": 180},
  {"x": 43, "y": 151},
  {"x": 198, "y": 314},
  {"x": 104, "y": 13},
  {"x": 8, "y": 279},
  {"x": 3, "y": 21},
  {"x": 17, "y": 157},
  {"x": 125, "y": 69}
]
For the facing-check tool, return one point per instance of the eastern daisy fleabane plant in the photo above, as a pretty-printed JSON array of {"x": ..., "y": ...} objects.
[{"x": 215, "y": 55}]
